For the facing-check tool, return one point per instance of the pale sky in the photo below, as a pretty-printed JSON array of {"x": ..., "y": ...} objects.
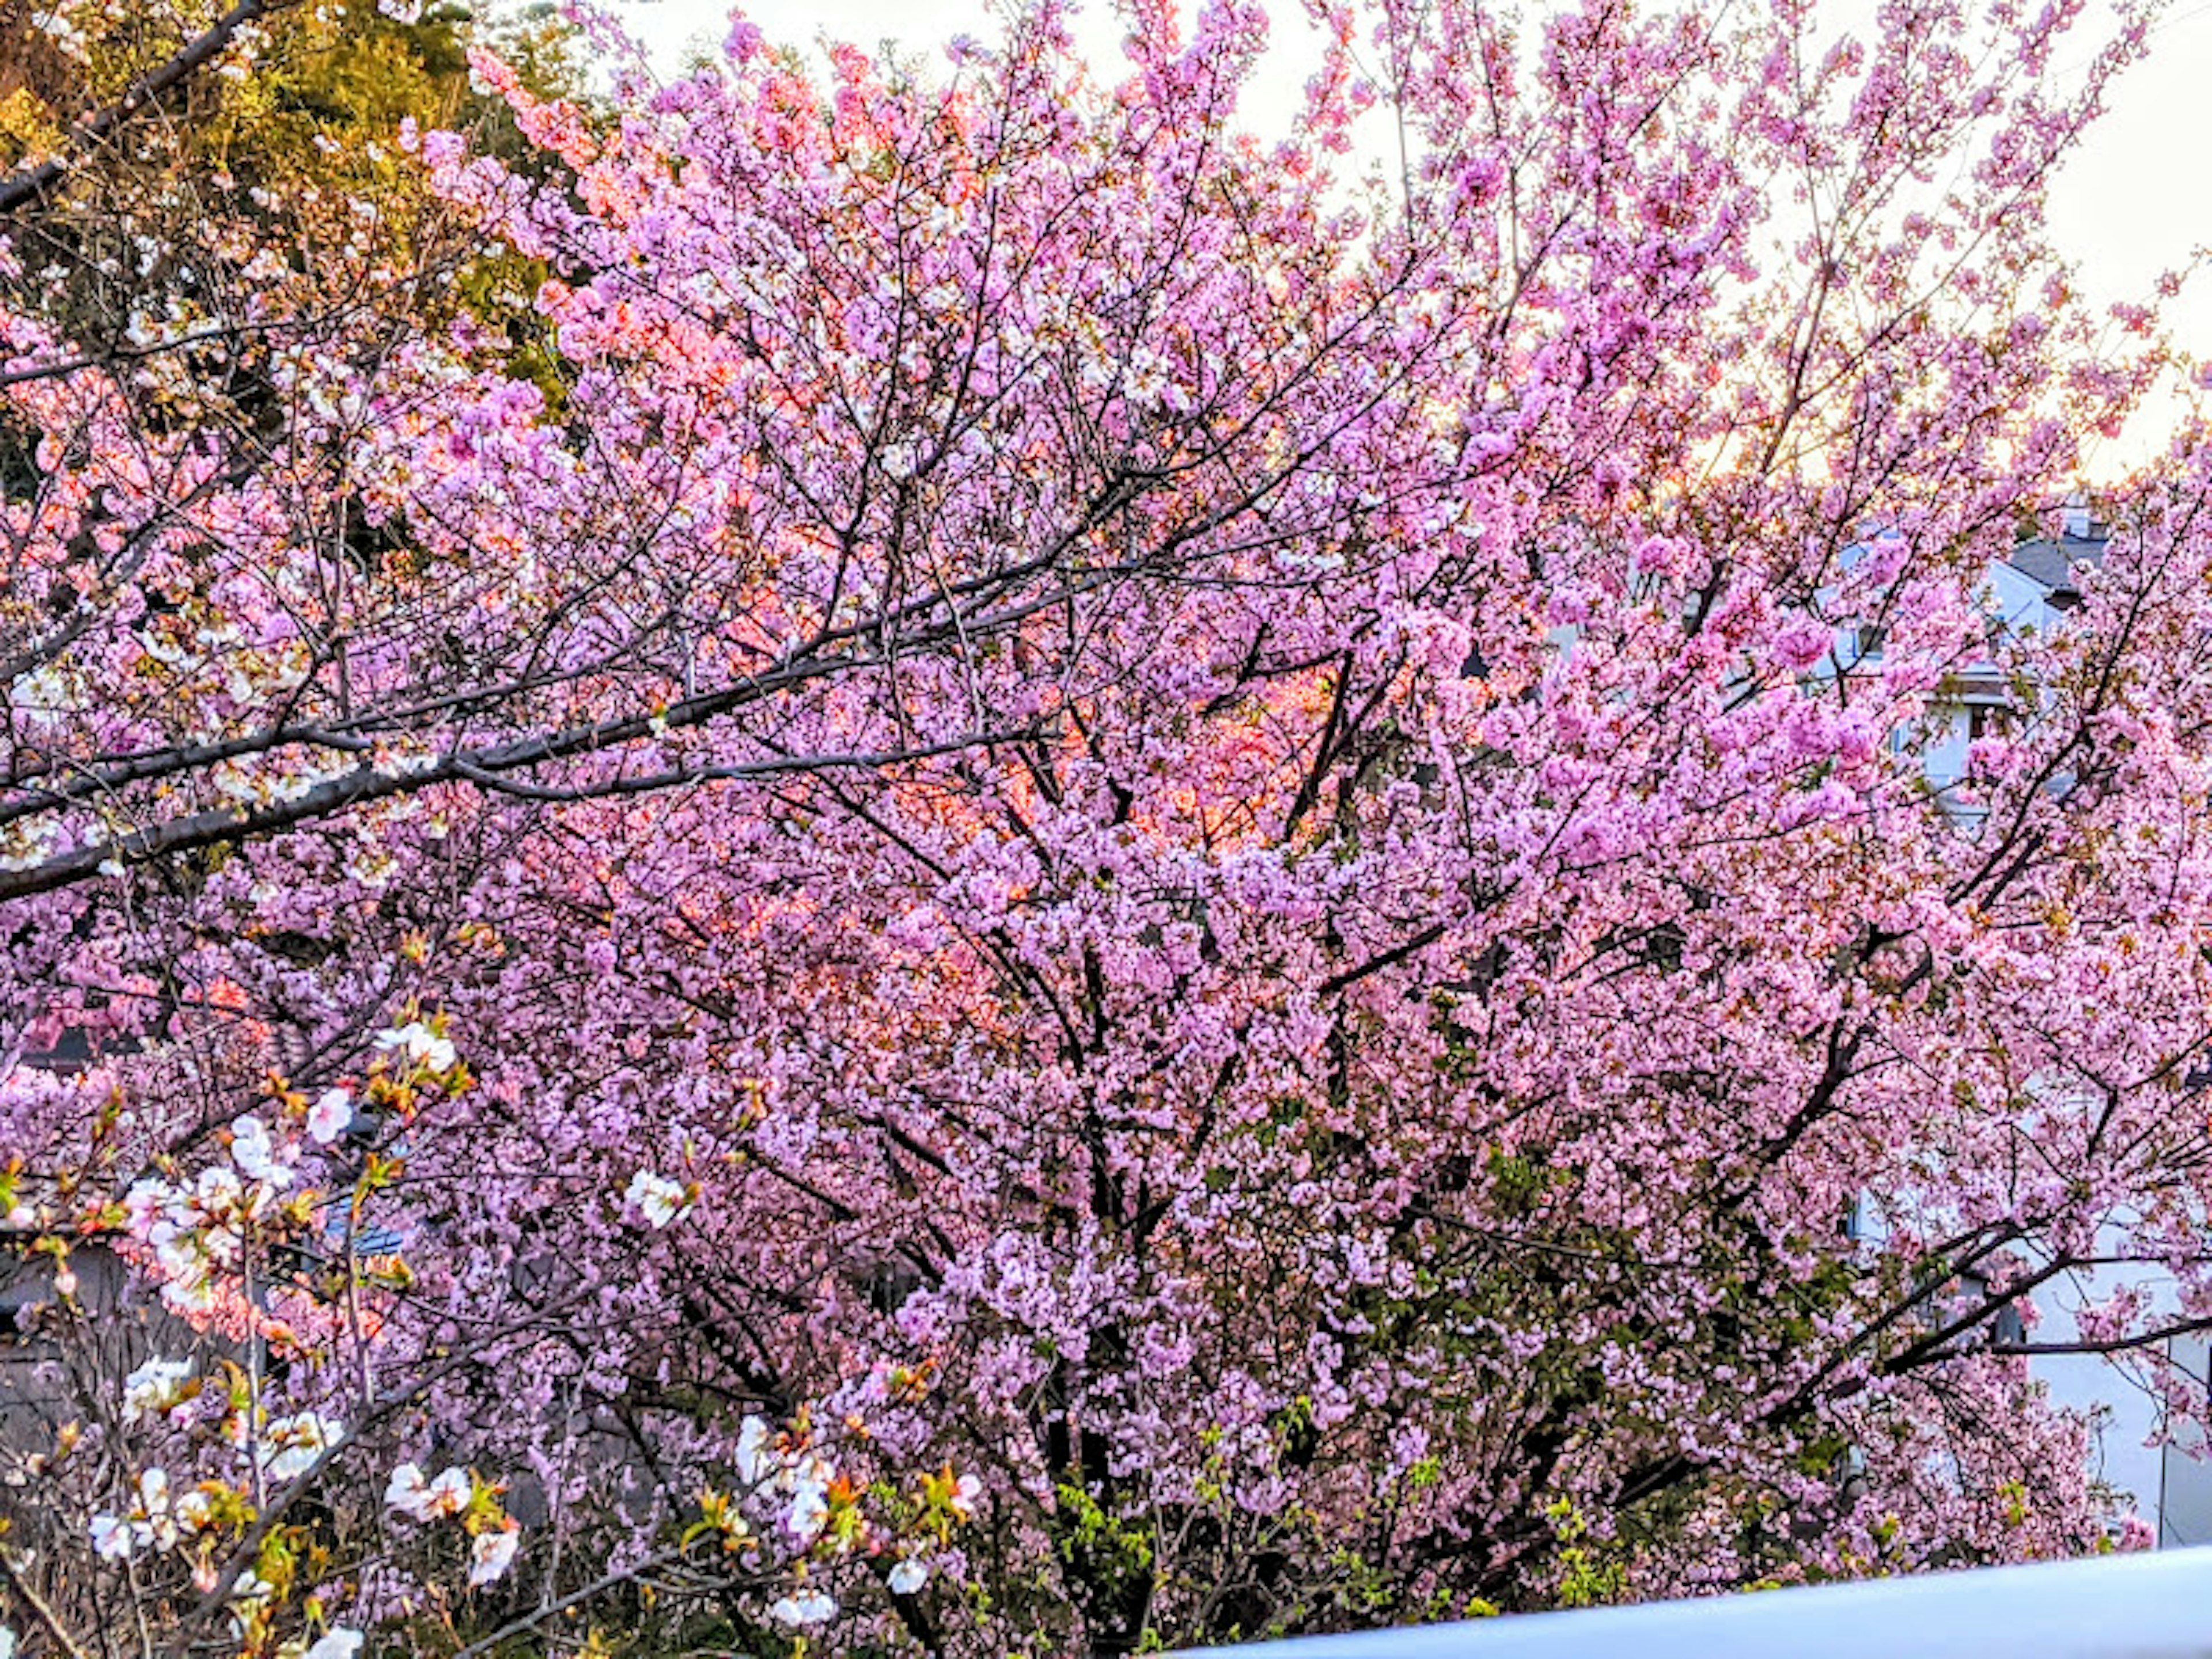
[{"x": 2137, "y": 201}]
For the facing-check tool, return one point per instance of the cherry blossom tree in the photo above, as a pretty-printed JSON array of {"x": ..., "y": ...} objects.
[{"x": 1025, "y": 876}]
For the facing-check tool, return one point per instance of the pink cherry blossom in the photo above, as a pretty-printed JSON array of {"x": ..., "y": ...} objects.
[{"x": 1288, "y": 867}]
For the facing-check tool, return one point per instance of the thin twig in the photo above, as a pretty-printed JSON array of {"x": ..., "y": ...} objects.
[{"x": 31, "y": 1598}]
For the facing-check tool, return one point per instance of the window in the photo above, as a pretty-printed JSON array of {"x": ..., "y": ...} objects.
[{"x": 1988, "y": 720}]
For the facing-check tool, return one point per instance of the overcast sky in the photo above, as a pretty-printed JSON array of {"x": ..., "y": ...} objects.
[{"x": 2137, "y": 201}]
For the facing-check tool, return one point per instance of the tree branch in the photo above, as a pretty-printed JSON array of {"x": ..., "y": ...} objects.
[{"x": 32, "y": 182}]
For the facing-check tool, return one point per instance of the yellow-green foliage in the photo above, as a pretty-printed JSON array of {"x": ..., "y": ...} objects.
[{"x": 280, "y": 156}]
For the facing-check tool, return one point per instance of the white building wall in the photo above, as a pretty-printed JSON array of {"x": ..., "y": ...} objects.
[
  {"x": 2125, "y": 1411},
  {"x": 2169, "y": 1487},
  {"x": 2122, "y": 1409}
]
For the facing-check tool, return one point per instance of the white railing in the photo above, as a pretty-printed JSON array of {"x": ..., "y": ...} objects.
[{"x": 2129, "y": 1607}]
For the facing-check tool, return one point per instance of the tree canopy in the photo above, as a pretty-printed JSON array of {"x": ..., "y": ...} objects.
[{"x": 886, "y": 861}]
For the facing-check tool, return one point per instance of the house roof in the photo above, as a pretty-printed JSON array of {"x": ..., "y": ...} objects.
[{"x": 2050, "y": 560}]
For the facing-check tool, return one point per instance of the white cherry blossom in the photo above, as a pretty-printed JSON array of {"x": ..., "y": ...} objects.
[
  {"x": 291, "y": 1445},
  {"x": 908, "y": 1577},
  {"x": 328, "y": 1118},
  {"x": 967, "y": 1492},
  {"x": 804, "y": 1606},
  {"x": 148, "y": 1525},
  {"x": 419, "y": 1042},
  {"x": 493, "y": 1553},
  {"x": 809, "y": 1482},
  {"x": 154, "y": 1387},
  {"x": 656, "y": 1198},
  {"x": 754, "y": 1463},
  {"x": 256, "y": 1159},
  {"x": 426, "y": 1500},
  {"x": 110, "y": 1537}
]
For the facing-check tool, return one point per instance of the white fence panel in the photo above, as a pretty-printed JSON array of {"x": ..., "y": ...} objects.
[{"x": 2152, "y": 1606}]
